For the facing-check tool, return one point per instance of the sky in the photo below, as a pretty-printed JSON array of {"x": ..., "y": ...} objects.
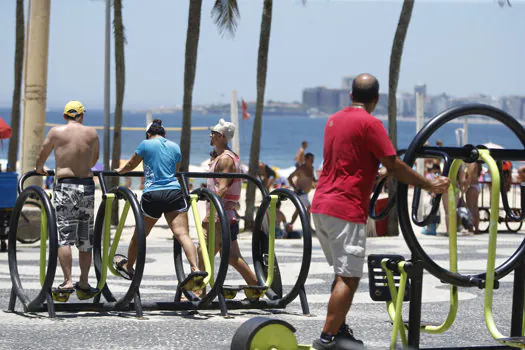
[{"x": 461, "y": 48}]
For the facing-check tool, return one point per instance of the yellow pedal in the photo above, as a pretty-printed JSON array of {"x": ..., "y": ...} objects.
[
  {"x": 229, "y": 293},
  {"x": 60, "y": 295},
  {"x": 254, "y": 293}
]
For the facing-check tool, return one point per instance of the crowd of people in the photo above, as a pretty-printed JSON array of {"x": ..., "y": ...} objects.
[{"x": 355, "y": 143}]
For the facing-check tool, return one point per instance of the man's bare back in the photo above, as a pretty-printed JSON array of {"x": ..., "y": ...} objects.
[{"x": 76, "y": 150}]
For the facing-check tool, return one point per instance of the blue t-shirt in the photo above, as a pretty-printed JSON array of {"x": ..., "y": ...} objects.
[{"x": 160, "y": 157}]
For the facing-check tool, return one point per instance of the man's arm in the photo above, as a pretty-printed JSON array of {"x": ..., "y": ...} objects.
[
  {"x": 45, "y": 151},
  {"x": 224, "y": 165},
  {"x": 401, "y": 171},
  {"x": 130, "y": 165},
  {"x": 96, "y": 150},
  {"x": 292, "y": 175}
]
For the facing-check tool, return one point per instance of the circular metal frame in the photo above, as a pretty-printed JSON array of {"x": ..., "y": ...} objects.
[
  {"x": 402, "y": 194},
  {"x": 259, "y": 238},
  {"x": 206, "y": 194},
  {"x": 126, "y": 194},
  {"x": 38, "y": 192}
]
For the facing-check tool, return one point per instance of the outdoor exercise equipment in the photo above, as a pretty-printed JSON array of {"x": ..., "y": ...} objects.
[
  {"x": 265, "y": 262},
  {"x": 395, "y": 280},
  {"x": 48, "y": 236}
]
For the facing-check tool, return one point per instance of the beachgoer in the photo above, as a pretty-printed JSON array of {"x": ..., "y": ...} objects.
[
  {"x": 162, "y": 195},
  {"x": 267, "y": 175},
  {"x": 354, "y": 144},
  {"x": 299, "y": 156},
  {"x": 223, "y": 160},
  {"x": 472, "y": 174},
  {"x": 431, "y": 228},
  {"x": 76, "y": 150},
  {"x": 304, "y": 182}
]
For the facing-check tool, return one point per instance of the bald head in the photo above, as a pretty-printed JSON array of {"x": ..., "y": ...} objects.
[{"x": 365, "y": 88}]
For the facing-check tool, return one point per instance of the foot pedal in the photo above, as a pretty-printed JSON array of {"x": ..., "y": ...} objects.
[
  {"x": 512, "y": 340},
  {"x": 254, "y": 292},
  {"x": 84, "y": 294},
  {"x": 61, "y": 295},
  {"x": 194, "y": 281},
  {"x": 377, "y": 280},
  {"x": 230, "y": 292}
]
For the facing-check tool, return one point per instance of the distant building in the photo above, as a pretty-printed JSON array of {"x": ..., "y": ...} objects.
[
  {"x": 346, "y": 82},
  {"x": 515, "y": 106}
]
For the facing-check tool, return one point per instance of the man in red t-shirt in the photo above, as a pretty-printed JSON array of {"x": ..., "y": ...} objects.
[{"x": 354, "y": 144}]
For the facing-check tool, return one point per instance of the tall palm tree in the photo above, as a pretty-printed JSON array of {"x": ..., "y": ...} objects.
[
  {"x": 395, "y": 67},
  {"x": 120, "y": 81},
  {"x": 225, "y": 14},
  {"x": 262, "y": 67},
  {"x": 17, "y": 91}
]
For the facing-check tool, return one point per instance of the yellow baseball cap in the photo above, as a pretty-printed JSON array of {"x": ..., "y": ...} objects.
[{"x": 73, "y": 109}]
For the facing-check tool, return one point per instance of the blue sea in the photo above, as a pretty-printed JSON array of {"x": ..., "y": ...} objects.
[{"x": 281, "y": 135}]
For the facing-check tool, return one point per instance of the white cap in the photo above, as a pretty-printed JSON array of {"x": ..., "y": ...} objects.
[{"x": 225, "y": 128}]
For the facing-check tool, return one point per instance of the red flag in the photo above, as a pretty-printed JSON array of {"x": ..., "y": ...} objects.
[{"x": 245, "y": 114}]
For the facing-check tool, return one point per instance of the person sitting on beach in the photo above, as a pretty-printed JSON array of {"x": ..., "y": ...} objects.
[
  {"x": 267, "y": 175},
  {"x": 223, "y": 160},
  {"x": 284, "y": 231},
  {"x": 299, "y": 156},
  {"x": 304, "y": 182},
  {"x": 76, "y": 151},
  {"x": 162, "y": 195}
]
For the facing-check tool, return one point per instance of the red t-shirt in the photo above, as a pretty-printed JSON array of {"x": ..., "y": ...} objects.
[{"x": 353, "y": 143}]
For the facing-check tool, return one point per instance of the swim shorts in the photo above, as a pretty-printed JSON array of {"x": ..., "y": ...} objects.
[{"x": 74, "y": 200}]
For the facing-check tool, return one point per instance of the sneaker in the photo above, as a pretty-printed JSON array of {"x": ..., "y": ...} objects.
[
  {"x": 337, "y": 344},
  {"x": 346, "y": 332}
]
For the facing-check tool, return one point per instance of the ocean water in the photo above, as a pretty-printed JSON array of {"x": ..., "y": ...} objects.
[{"x": 281, "y": 135}]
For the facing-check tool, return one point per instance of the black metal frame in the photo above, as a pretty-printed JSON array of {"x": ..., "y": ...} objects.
[{"x": 259, "y": 251}]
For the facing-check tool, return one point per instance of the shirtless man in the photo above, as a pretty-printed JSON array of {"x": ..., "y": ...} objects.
[
  {"x": 299, "y": 156},
  {"x": 304, "y": 182},
  {"x": 76, "y": 151},
  {"x": 472, "y": 173}
]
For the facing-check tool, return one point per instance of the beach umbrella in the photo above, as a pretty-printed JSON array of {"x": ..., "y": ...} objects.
[{"x": 493, "y": 145}]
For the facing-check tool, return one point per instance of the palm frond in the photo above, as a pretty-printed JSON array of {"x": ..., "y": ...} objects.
[{"x": 225, "y": 14}]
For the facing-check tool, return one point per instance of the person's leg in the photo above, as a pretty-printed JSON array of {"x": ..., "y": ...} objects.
[
  {"x": 344, "y": 246},
  {"x": 471, "y": 198},
  {"x": 66, "y": 233},
  {"x": 339, "y": 303},
  {"x": 236, "y": 260},
  {"x": 84, "y": 260},
  {"x": 178, "y": 223},
  {"x": 294, "y": 216},
  {"x": 133, "y": 244},
  {"x": 66, "y": 263}
]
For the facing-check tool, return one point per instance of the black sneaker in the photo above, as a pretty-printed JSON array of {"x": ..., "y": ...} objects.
[
  {"x": 347, "y": 332},
  {"x": 319, "y": 345}
]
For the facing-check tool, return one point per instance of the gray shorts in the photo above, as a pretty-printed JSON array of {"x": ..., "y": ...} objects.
[
  {"x": 343, "y": 243},
  {"x": 74, "y": 201}
]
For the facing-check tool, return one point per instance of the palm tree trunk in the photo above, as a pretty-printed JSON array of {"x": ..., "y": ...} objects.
[
  {"x": 35, "y": 89},
  {"x": 262, "y": 67},
  {"x": 190, "y": 67},
  {"x": 395, "y": 67},
  {"x": 17, "y": 91},
  {"x": 120, "y": 81}
]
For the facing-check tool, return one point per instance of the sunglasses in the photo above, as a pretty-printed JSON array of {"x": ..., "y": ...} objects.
[{"x": 215, "y": 133}]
